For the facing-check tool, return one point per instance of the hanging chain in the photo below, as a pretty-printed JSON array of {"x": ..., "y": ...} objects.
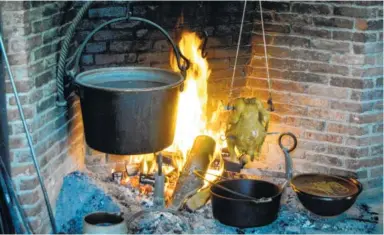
[
  {"x": 270, "y": 103},
  {"x": 237, "y": 50}
]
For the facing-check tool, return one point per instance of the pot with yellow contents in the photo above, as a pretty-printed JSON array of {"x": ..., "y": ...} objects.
[{"x": 326, "y": 195}]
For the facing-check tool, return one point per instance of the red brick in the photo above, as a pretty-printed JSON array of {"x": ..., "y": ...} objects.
[
  {"x": 303, "y": 166},
  {"x": 257, "y": 83},
  {"x": 348, "y": 151},
  {"x": 29, "y": 198},
  {"x": 260, "y": 94},
  {"x": 377, "y": 139},
  {"x": 353, "y": 164},
  {"x": 323, "y": 137},
  {"x": 361, "y": 24},
  {"x": 21, "y": 86},
  {"x": 348, "y": 59},
  {"x": 377, "y": 161},
  {"x": 347, "y": 106},
  {"x": 364, "y": 141},
  {"x": 23, "y": 170},
  {"x": 360, "y": 174},
  {"x": 327, "y": 114},
  {"x": 290, "y": 109},
  {"x": 35, "y": 210},
  {"x": 296, "y": 99},
  {"x": 366, "y": 118},
  {"x": 13, "y": 114},
  {"x": 323, "y": 159},
  {"x": 363, "y": 163},
  {"x": 28, "y": 184},
  {"x": 216, "y": 64},
  {"x": 312, "y": 146},
  {"x": 367, "y": 72},
  {"x": 351, "y": 82},
  {"x": 289, "y": 86},
  {"x": 17, "y": 142},
  {"x": 274, "y": 117},
  {"x": 330, "y": 92},
  {"x": 347, "y": 129},
  {"x": 306, "y": 123}
]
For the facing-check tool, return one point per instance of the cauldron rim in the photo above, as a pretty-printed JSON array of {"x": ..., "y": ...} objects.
[
  {"x": 111, "y": 70},
  {"x": 280, "y": 190}
]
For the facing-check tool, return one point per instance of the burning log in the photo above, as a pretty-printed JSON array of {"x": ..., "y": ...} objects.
[
  {"x": 198, "y": 200},
  {"x": 199, "y": 158}
]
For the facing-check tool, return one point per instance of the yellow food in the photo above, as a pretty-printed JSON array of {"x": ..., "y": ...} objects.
[
  {"x": 246, "y": 128},
  {"x": 328, "y": 188}
]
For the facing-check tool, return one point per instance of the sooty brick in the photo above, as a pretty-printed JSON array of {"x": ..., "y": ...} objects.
[
  {"x": 333, "y": 22},
  {"x": 307, "y": 8}
]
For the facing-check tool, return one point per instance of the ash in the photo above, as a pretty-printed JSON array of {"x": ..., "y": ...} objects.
[{"x": 86, "y": 192}]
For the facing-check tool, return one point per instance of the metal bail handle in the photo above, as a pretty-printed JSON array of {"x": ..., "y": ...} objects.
[{"x": 183, "y": 66}]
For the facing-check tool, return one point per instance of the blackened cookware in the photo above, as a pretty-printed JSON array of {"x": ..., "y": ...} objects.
[
  {"x": 326, "y": 195},
  {"x": 128, "y": 110},
  {"x": 238, "y": 211}
]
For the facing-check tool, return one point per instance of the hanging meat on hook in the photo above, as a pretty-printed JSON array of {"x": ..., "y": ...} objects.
[{"x": 246, "y": 129}]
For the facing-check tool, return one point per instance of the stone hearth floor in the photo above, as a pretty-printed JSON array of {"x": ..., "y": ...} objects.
[{"x": 84, "y": 193}]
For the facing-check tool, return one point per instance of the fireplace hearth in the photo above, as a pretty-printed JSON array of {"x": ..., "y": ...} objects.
[
  {"x": 319, "y": 62},
  {"x": 96, "y": 192}
]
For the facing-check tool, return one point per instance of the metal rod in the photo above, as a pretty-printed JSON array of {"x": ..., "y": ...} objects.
[
  {"x": 160, "y": 163},
  {"x": 29, "y": 138}
]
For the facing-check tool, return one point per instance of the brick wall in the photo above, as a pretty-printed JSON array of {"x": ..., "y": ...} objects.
[
  {"x": 326, "y": 63},
  {"x": 325, "y": 60},
  {"x": 32, "y": 35}
]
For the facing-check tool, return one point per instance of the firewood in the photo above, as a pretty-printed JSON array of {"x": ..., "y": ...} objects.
[
  {"x": 199, "y": 158},
  {"x": 198, "y": 200}
]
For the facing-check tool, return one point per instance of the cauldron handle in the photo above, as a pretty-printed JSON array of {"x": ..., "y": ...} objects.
[
  {"x": 76, "y": 58},
  {"x": 288, "y": 159}
]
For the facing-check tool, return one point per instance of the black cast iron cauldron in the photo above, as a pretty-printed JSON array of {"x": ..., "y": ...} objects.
[
  {"x": 129, "y": 110},
  {"x": 235, "y": 211}
]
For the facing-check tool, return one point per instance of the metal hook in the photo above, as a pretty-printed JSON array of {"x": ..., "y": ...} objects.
[{"x": 203, "y": 48}]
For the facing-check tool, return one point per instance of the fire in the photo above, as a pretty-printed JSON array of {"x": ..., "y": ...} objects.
[
  {"x": 191, "y": 116},
  {"x": 192, "y": 120},
  {"x": 192, "y": 108}
]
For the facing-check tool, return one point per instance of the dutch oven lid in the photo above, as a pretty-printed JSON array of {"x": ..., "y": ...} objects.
[
  {"x": 129, "y": 79},
  {"x": 325, "y": 185}
]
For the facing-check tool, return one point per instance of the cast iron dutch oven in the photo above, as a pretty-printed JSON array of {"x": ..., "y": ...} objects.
[
  {"x": 326, "y": 195},
  {"x": 237, "y": 211},
  {"x": 128, "y": 110}
]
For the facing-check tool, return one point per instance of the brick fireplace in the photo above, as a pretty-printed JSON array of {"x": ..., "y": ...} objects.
[{"x": 325, "y": 61}]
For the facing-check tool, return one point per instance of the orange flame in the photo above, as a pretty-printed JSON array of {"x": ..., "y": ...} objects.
[
  {"x": 191, "y": 116},
  {"x": 192, "y": 108}
]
